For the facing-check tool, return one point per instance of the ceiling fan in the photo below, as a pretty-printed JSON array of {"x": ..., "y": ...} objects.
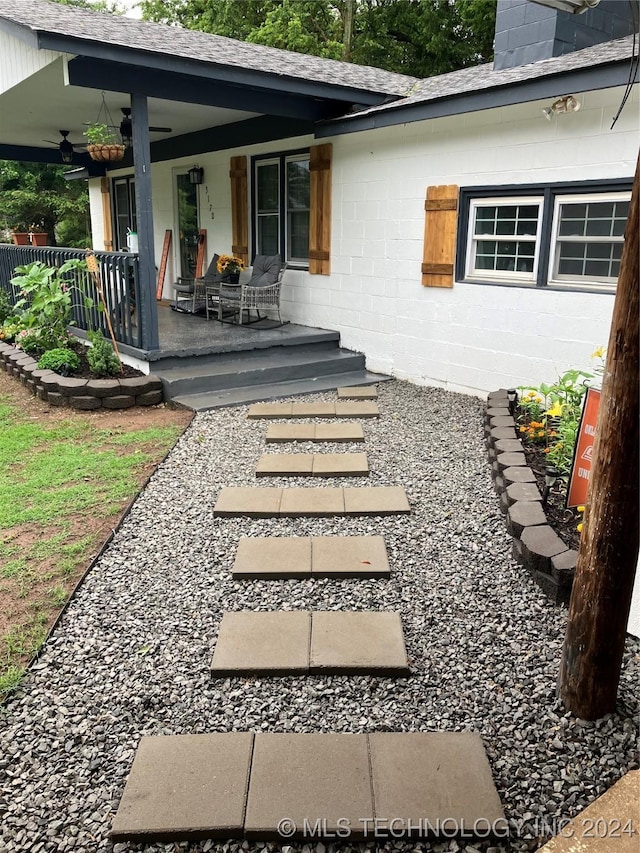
[
  {"x": 65, "y": 146},
  {"x": 126, "y": 131}
]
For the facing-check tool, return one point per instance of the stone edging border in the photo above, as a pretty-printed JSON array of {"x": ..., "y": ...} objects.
[
  {"x": 82, "y": 394},
  {"x": 535, "y": 544}
]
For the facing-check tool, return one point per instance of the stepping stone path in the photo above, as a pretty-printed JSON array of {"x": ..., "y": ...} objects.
[
  {"x": 320, "y": 643},
  {"x": 281, "y": 433},
  {"x": 276, "y": 786},
  {"x": 280, "y": 786},
  {"x": 303, "y": 556},
  {"x": 313, "y": 465}
]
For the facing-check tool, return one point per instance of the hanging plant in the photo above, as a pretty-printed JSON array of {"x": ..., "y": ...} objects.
[{"x": 104, "y": 143}]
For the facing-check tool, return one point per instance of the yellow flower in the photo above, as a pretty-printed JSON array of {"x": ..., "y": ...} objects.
[
  {"x": 555, "y": 411},
  {"x": 599, "y": 352},
  {"x": 580, "y": 509},
  {"x": 579, "y": 527},
  {"x": 541, "y": 434}
]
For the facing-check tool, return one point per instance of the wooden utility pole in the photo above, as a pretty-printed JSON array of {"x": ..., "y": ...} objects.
[
  {"x": 348, "y": 15},
  {"x": 603, "y": 584}
]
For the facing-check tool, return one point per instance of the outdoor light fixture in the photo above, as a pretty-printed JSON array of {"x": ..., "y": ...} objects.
[
  {"x": 512, "y": 396},
  {"x": 126, "y": 132},
  {"x": 551, "y": 475},
  {"x": 567, "y": 104},
  {"x": 196, "y": 175}
]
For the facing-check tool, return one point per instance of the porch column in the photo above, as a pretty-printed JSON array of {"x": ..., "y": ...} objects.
[{"x": 148, "y": 309}]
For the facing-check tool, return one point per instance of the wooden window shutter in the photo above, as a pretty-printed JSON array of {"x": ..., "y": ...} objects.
[
  {"x": 106, "y": 214},
  {"x": 439, "y": 251},
  {"x": 239, "y": 211},
  {"x": 320, "y": 210}
]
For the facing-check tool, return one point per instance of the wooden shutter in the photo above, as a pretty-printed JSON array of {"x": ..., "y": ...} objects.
[
  {"x": 320, "y": 210},
  {"x": 239, "y": 212},
  {"x": 106, "y": 214},
  {"x": 439, "y": 251}
]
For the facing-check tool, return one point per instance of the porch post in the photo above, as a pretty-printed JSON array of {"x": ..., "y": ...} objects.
[{"x": 148, "y": 310}]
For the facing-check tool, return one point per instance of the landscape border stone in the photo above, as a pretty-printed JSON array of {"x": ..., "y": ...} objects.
[
  {"x": 535, "y": 544},
  {"x": 80, "y": 394}
]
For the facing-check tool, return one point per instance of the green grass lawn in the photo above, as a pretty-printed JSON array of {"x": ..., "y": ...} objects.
[{"x": 65, "y": 479}]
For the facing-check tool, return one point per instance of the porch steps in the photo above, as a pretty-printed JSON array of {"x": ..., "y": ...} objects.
[
  {"x": 214, "y": 380},
  {"x": 206, "y": 400}
]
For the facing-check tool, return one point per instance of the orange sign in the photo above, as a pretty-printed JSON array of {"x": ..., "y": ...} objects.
[{"x": 579, "y": 482}]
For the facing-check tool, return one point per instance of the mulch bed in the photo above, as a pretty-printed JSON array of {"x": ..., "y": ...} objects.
[{"x": 85, "y": 371}]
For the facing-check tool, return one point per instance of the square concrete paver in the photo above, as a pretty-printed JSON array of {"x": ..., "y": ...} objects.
[
  {"x": 247, "y": 501},
  {"x": 375, "y": 500},
  {"x": 285, "y": 465},
  {"x": 349, "y": 556},
  {"x": 434, "y": 777},
  {"x": 339, "y": 432},
  {"x": 273, "y": 557},
  {"x": 314, "y": 502},
  {"x": 340, "y": 465},
  {"x": 357, "y": 409},
  {"x": 259, "y": 643},
  {"x": 269, "y": 410},
  {"x": 308, "y": 778},
  {"x": 321, "y": 409},
  {"x": 363, "y": 392},
  {"x": 186, "y": 787},
  {"x": 280, "y": 433},
  {"x": 363, "y": 642}
]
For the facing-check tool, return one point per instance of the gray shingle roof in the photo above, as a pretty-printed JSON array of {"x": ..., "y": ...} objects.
[
  {"x": 101, "y": 28},
  {"x": 483, "y": 77}
]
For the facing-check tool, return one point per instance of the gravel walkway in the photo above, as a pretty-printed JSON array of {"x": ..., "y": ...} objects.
[{"x": 131, "y": 655}]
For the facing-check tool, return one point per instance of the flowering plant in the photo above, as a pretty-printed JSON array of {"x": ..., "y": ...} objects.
[{"x": 230, "y": 264}]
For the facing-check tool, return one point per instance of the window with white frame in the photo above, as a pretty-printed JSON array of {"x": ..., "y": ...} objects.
[
  {"x": 281, "y": 206},
  {"x": 588, "y": 233},
  {"x": 503, "y": 238},
  {"x": 561, "y": 235}
]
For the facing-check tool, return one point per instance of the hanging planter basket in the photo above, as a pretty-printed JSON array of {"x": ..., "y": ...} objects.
[{"x": 104, "y": 153}]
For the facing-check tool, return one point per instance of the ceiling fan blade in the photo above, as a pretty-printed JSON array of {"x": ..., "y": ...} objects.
[{"x": 161, "y": 129}]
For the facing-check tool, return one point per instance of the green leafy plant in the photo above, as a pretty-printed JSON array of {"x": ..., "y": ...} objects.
[
  {"x": 102, "y": 359},
  {"x": 61, "y": 360},
  {"x": 6, "y": 308},
  {"x": 10, "y": 329},
  {"x": 101, "y": 134}
]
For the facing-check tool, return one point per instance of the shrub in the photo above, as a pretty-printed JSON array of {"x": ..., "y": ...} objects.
[
  {"x": 102, "y": 359},
  {"x": 10, "y": 329},
  {"x": 61, "y": 360},
  {"x": 6, "y": 308}
]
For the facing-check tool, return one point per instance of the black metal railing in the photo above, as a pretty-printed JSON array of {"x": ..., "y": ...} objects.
[{"x": 118, "y": 274}]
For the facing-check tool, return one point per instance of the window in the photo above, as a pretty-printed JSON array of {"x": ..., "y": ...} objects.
[
  {"x": 504, "y": 238},
  {"x": 560, "y": 235},
  {"x": 588, "y": 233},
  {"x": 124, "y": 210},
  {"x": 281, "y": 206}
]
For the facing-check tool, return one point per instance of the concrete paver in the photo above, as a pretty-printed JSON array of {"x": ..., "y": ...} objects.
[
  {"x": 313, "y": 410},
  {"x": 361, "y": 392},
  {"x": 269, "y": 410},
  {"x": 355, "y": 642},
  {"x": 273, "y": 556},
  {"x": 375, "y": 500},
  {"x": 308, "y": 778},
  {"x": 262, "y": 643},
  {"x": 280, "y": 433},
  {"x": 186, "y": 787},
  {"x": 247, "y": 501},
  {"x": 315, "y": 502},
  {"x": 434, "y": 776},
  {"x": 349, "y": 556},
  {"x": 340, "y": 465},
  {"x": 357, "y": 409},
  {"x": 285, "y": 465},
  {"x": 344, "y": 431}
]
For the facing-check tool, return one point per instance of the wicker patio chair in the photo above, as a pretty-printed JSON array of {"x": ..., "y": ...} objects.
[
  {"x": 261, "y": 293},
  {"x": 197, "y": 288}
]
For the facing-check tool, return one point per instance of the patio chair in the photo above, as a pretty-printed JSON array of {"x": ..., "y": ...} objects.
[
  {"x": 197, "y": 288},
  {"x": 261, "y": 292}
]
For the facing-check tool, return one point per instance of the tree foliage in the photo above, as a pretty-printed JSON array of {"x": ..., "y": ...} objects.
[
  {"x": 415, "y": 37},
  {"x": 36, "y": 196}
]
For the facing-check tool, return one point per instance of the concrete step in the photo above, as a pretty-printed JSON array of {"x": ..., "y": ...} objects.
[
  {"x": 320, "y": 409},
  {"x": 344, "y": 432},
  {"x": 311, "y": 556},
  {"x": 204, "y": 401},
  {"x": 366, "y": 787},
  {"x": 322, "y": 502},
  {"x": 299, "y": 643},
  {"x": 313, "y": 465},
  {"x": 275, "y": 365}
]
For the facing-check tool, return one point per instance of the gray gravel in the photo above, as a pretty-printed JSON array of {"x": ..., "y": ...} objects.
[{"x": 131, "y": 655}]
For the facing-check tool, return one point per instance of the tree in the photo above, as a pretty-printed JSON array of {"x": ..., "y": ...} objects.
[
  {"x": 36, "y": 195},
  {"x": 415, "y": 37}
]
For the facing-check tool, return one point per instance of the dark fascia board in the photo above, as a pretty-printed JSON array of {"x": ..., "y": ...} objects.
[
  {"x": 597, "y": 77},
  {"x": 209, "y": 71},
  {"x": 180, "y": 86},
  {"x": 227, "y": 136},
  {"x": 29, "y": 154}
]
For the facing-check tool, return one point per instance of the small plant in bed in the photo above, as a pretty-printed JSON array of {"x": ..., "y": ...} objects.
[
  {"x": 102, "y": 359},
  {"x": 60, "y": 360}
]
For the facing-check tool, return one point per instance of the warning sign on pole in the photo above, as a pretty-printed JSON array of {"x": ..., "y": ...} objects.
[{"x": 579, "y": 480}]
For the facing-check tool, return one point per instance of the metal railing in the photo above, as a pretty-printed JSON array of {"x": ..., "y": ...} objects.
[{"x": 118, "y": 273}]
